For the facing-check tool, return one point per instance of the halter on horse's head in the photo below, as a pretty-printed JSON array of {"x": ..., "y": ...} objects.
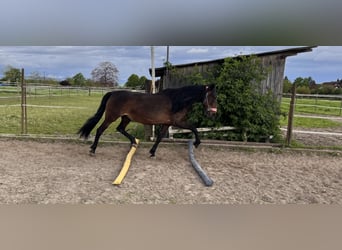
[{"x": 210, "y": 101}]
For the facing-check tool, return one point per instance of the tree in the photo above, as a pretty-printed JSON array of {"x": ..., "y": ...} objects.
[
  {"x": 287, "y": 85},
  {"x": 299, "y": 81},
  {"x": 106, "y": 73},
  {"x": 305, "y": 82},
  {"x": 303, "y": 90},
  {"x": 79, "y": 80},
  {"x": 135, "y": 82},
  {"x": 142, "y": 81},
  {"x": 312, "y": 83},
  {"x": 305, "y": 85},
  {"x": 132, "y": 81},
  {"x": 12, "y": 74}
]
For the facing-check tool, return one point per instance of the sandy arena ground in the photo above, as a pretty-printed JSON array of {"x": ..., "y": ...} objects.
[{"x": 33, "y": 172}]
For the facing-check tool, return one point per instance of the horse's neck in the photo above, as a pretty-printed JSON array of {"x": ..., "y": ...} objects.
[{"x": 199, "y": 97}]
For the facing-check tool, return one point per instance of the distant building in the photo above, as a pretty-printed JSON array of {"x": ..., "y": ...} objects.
[{"x": 335, "y": 84}]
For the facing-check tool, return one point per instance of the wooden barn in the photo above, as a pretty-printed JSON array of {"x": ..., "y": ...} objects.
[{"x": 275, "y": 60}]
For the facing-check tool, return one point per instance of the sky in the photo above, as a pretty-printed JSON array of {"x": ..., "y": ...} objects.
[{"x": 323, "y": 64}]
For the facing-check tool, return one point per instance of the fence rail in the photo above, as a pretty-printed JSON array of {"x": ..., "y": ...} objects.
[
  {"x": 173, "y": 130},
  {"x": 337, "y": 97},
  {"x": 7, "y": 92},
  {"x": 317, "y": 104}
]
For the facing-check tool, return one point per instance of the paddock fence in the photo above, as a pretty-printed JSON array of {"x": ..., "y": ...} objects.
[
  {"x": 8, "y": 92},
  {"x": 310, "y": 106},
  {"x": 47, "y": 110},
  {"x": 316, "y": 104}
]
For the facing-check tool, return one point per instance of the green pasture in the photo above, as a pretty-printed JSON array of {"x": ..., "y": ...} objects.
[
  {"x": 55, "y": 115},
  {"x": 304, "y": 122},
  {"x": 9, "y": 91},
  {"x": 316, "y": 106}
]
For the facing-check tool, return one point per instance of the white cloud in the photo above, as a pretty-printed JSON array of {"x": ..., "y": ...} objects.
[{"x": 197, "y": 51}]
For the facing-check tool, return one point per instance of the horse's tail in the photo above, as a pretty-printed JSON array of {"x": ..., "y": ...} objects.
[{"x": 88, "y": 126}]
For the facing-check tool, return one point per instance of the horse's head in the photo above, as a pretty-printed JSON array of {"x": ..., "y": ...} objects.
[{"x": 210, "y": 102}]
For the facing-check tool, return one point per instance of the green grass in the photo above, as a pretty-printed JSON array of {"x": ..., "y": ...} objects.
[
  {"x": 313, "y": 106},
  {"x": 309, "y": 107},
  {"x": 303, "y": 122},
  {"x": 9, "y": 91}
]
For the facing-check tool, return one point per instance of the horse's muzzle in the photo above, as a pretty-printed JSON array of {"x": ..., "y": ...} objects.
[{"x": 211, "y": 111}]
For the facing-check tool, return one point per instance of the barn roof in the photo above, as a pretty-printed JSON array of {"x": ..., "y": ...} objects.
[{"x": 285, "y": 52}]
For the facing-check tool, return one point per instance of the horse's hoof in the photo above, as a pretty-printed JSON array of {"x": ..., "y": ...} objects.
[
  {"x": 196, "y": 145},
  {"x": 92, "y": 152},
  {"x": 152, "y": 156},
  {"x": 135, "y": 143}
]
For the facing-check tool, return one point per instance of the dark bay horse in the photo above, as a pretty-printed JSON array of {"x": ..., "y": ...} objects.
[{"x": 167, "y": 108}]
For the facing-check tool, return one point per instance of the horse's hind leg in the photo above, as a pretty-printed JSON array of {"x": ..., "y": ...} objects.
[
  {"x": 121, "y": 128},
  {"x": 99, "y": 132}
]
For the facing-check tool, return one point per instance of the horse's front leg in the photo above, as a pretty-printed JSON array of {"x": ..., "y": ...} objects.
[
  {"x": 197, "y": 139},
  {"x": 161, "y": 134},
  {"x": 186, "y": 125}
]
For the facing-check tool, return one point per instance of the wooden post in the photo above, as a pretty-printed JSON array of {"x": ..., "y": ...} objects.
[
  {"x": 153, "y": 86},
  {"x": 291, "y": 114},
  {"x": 23, "y": 104},
  {"x": 167, "y": 54}
]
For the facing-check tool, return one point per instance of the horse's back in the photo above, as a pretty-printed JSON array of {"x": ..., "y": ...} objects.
[
  {"x": 124, "y": 96},
  {"x": 137, "y": 104}
]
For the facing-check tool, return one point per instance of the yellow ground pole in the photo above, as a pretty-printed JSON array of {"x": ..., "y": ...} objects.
[{"x": 126, "y": 164}]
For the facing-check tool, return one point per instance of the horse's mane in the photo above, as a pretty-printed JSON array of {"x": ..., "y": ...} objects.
[{"x": 185, "y": 96}]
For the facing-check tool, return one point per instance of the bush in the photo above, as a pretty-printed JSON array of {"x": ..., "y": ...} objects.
[
  {"x": 303, "y": 90},
  {"x": 326, "y": 90},
  {"x": 240, "y": 102}
]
